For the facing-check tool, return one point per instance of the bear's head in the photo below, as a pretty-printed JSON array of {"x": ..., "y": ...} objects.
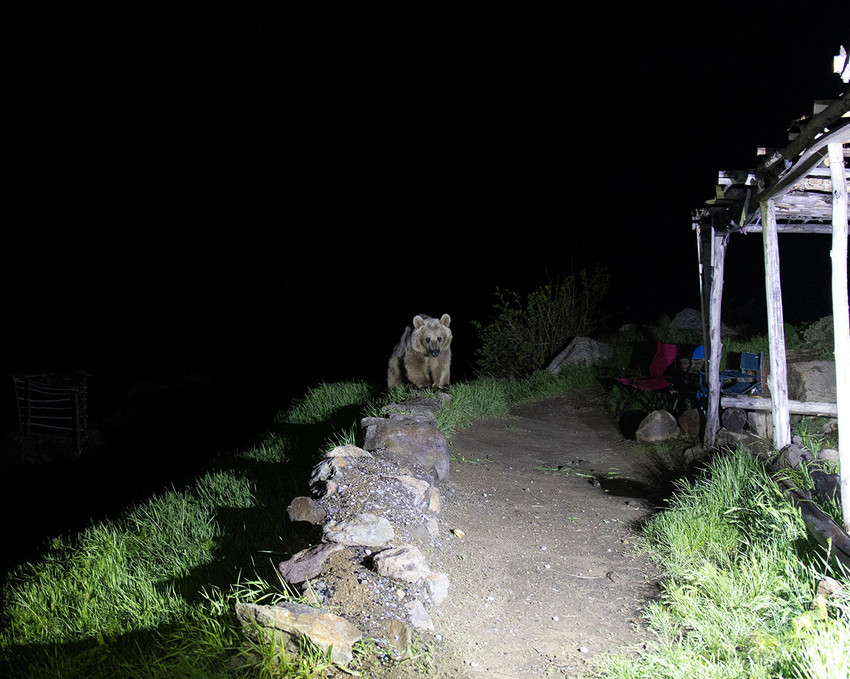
[{"x": 431, "y": 336}]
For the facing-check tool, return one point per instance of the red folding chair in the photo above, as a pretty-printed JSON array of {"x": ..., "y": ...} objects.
[{"x": 652, "y": 391}]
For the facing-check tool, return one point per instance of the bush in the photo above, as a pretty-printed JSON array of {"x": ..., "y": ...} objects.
[
  {"x": 526, "y": 334},
  {"x": 819, "y": 338}
]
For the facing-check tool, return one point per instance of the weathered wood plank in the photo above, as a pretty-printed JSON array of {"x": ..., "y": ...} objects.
[
  {"x": 809, "y": 159},
  {"x": 841, "y": 317},
  {"x": 775, "y": 329},
  {"x": 718, "y": 259},
  {"x": 821, "y": 408}
]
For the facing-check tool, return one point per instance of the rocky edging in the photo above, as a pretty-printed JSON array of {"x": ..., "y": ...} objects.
[{"x": 372, "y": 532}]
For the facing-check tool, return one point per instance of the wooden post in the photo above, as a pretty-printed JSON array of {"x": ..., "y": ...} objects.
[
  {"x": 841, "y": 318},
  {"x": 712, "y": 368},
  {"x": 704, "y": 286},
  {"x": 778, "y": 378}
]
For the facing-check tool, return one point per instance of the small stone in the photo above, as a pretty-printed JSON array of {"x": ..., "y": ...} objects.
[
  {"x": 584, "y": 649},
  {"x": 306, "y": 510},
  {"x": 437, "y": 587},
  {"x": 348, "y": 451},
  {"x": 419, "y": 617},
  {"x": 399, "y": 636},
  {"x": 434, "y": 501}
]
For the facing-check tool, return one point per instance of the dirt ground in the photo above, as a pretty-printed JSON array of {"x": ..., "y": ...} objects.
[{"x": 540, "y": 511}]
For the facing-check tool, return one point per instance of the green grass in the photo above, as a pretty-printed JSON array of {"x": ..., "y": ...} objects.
[
  {"x": 738, "y": 586},
  {"x": 494, "y": 397},
  {"x": 151, "y": 594}
]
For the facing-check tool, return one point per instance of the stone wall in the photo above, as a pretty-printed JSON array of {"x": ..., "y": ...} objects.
[{"x": 371, "y": 536}]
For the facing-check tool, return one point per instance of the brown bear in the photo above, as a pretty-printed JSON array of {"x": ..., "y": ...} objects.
[{"x": 423, "y": 355}]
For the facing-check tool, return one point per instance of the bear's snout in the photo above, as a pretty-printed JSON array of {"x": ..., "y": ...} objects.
[{"x": 435, "y": 353}]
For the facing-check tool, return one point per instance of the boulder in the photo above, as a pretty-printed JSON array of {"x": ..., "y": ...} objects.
[
  {"x": 289, "y": 624},
  {"x": 691, "y": 422},
  {"x": 691, "y": 319},
  {"x": 791, "y": 456},
  {"x": 827, "y": 486},
  {"x": 658, "y": 426},
  {"x": 812, "y": 381},
  {"x": 694, "y": 454},
  {"x": 408, "y": 439},
  {"x": 581, "y": 350},
  {"x": 687, "y": 319}
]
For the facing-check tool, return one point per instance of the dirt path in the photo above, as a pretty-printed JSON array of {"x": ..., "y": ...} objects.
[{"x": 543, "y": 578}]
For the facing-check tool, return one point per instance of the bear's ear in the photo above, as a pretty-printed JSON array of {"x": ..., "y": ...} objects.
[
  {"x": 445, "y": 319},
  {"x": 418, "y": 321}
]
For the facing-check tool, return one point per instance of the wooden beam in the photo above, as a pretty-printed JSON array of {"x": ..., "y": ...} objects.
[
  {"x": 841, "y": 317},
  {"x": 815, "y": 127},
  {"x": 704, "y": 285},
  {"x": 714, "y": 348},
  {"x": 804, "y": 227},
  {"x": 822, "y": 408},
  {"x": 812, "y": 157},
  {"x": 778, "y": 378}
]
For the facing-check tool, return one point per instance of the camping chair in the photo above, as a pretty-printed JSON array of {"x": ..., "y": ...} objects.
[
  {"x": 650, "y": 391},
  {"x": 688, "y": 380},
  {"x": 748, "y": 380}
]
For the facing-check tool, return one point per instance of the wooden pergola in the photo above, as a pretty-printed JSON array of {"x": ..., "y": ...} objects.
[{"x": 799, "y": 189}]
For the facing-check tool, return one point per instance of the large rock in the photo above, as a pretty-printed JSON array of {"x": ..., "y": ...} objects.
[
  {"x": 691, "y": 319},
  {"x": 812, "y": 381},
  {"x": 307, "y": 564},
  {"x": 419, "y": 492},
  {"x": 658, "y": 426},
  {"x": 792, "y": 455},
  {"x": 581, "y": 350},
  {"x": 687, "y": 319},
  {"x": 405, "y": 564},
  {"x": 364, "y": 529},
  {"x": 691, "y": 422},
  {"x": 289, "y": 624},
  {"x": 408, "y": 439}
]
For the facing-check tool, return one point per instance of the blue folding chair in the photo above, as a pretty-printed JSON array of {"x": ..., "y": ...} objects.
[{"x": 747, "y": 380}]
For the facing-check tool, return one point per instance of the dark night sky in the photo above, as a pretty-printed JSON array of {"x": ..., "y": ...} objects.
[{"x": 277, "y": 195}]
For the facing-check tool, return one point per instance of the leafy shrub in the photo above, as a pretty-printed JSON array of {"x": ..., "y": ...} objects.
[
  {"x": 526, "y": 333},
  {"x": 819, "y": 338}
]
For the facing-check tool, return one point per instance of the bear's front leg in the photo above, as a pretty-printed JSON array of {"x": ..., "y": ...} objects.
[
  {"x": 442, "y": 371},
  {"x": 414, "y": 366}
]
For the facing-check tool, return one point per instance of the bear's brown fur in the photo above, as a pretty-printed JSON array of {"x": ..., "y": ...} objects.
[{"x": 423, "y": 355}]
